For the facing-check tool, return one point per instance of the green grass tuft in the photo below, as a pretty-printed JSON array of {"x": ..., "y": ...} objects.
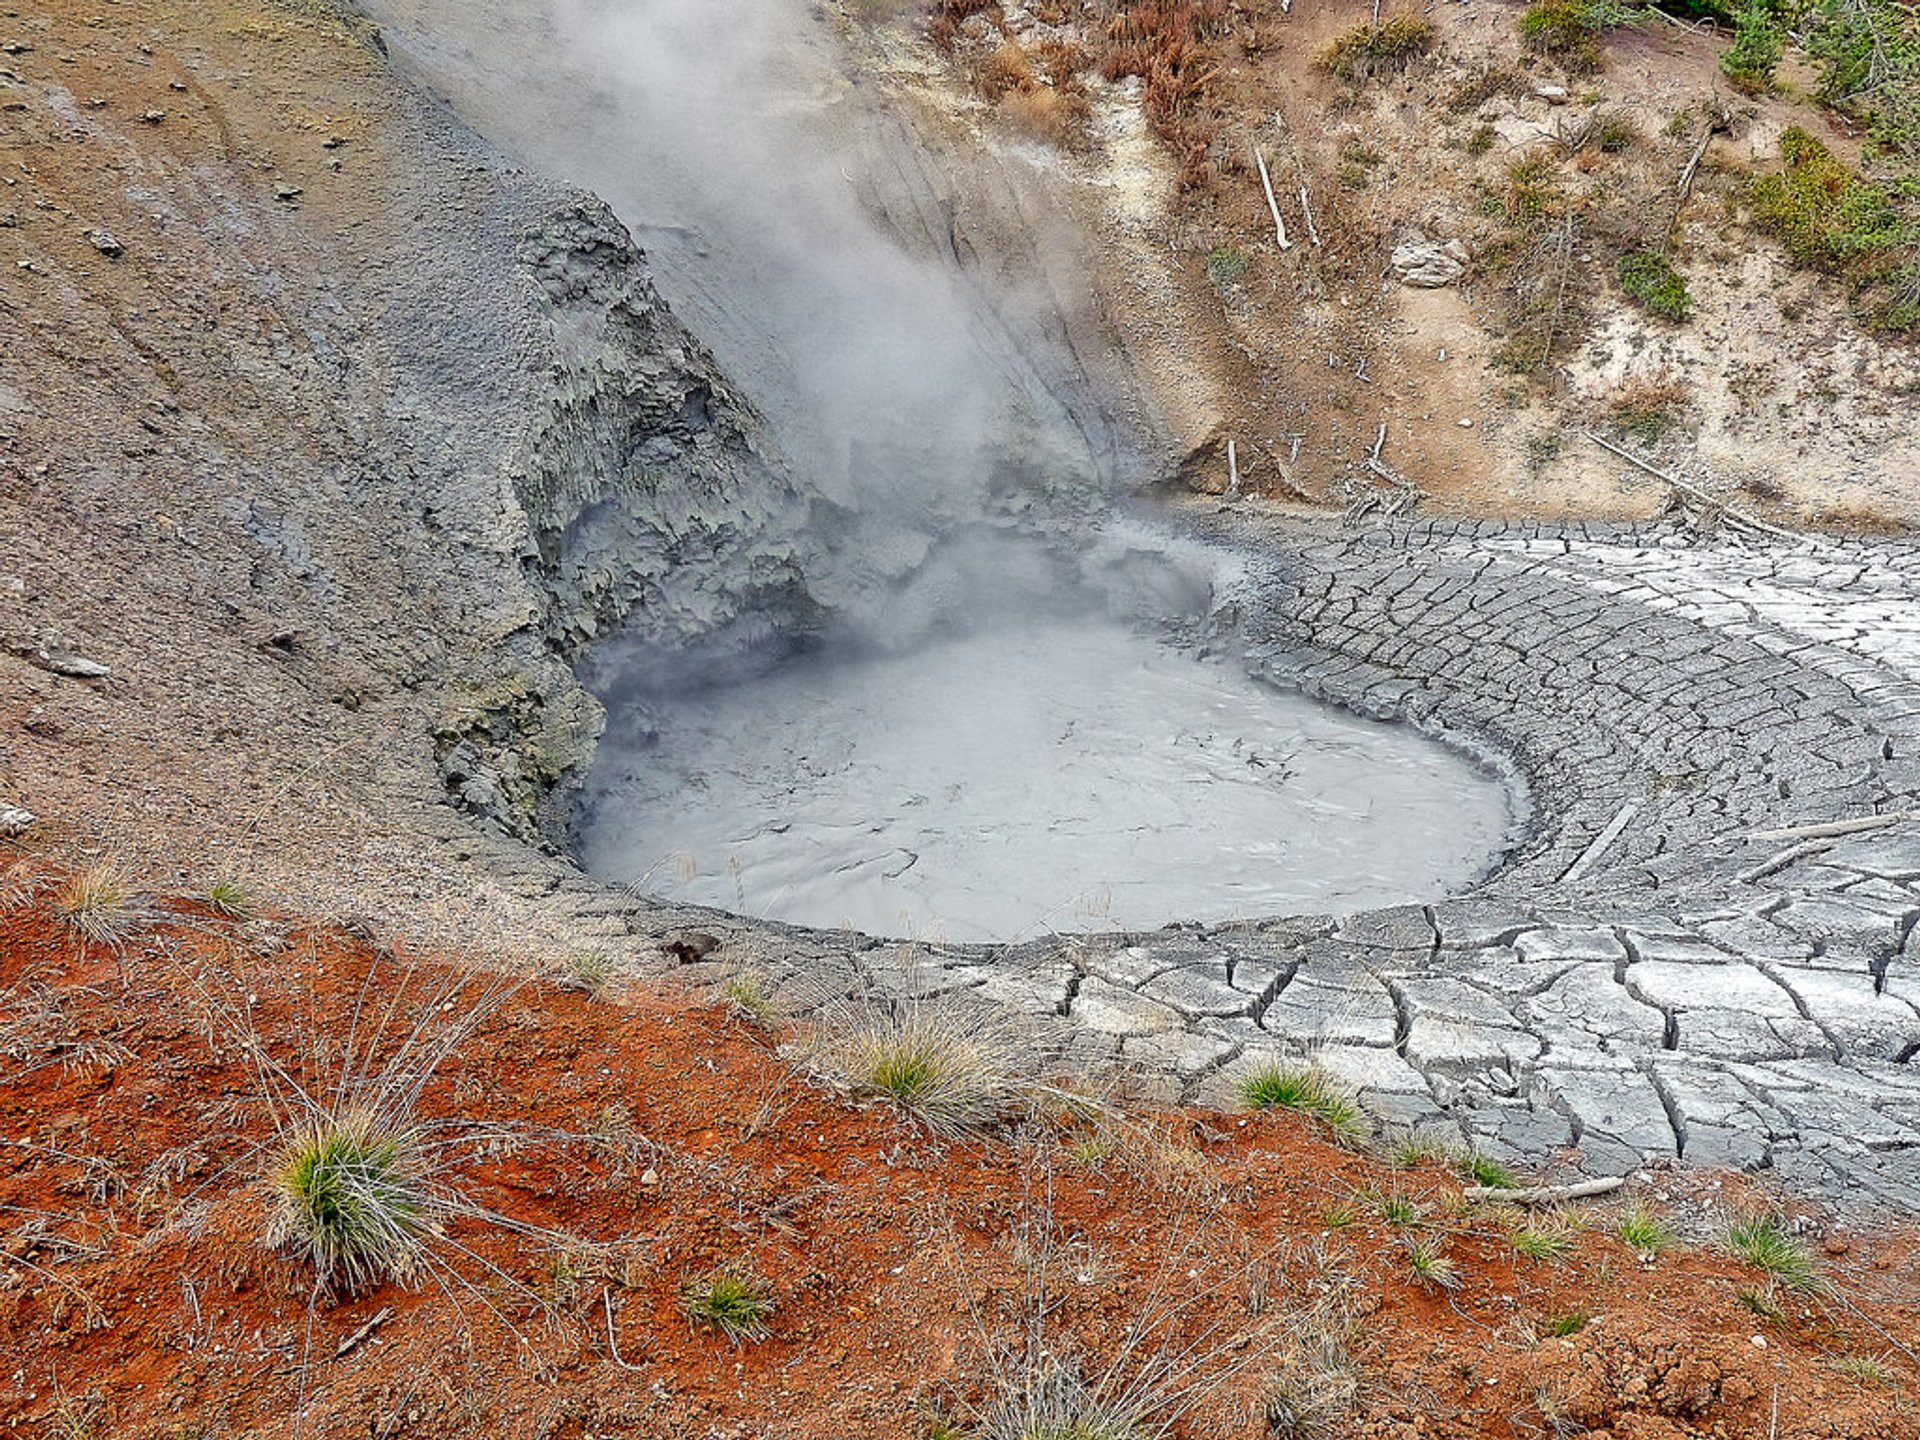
[
  {"x": 1644, "y": 1232},
  {"x": 749, "y": 995},
  {"x": 954, "y": 1070},
  {"x": 1764, "y": 1243},
  {"x": 1542, "y": 1237},
  {"x": 1310, "y": 1091},
  {"x": 1485, "y": 1170},
  {"x": 1570, "y": 1323},
  {"x": 588, "y": 971},
  {"x": 232, "y": 897},
  {"x": 731, "y": 1301},
  {"x": 351, "y": 1193},
  {"x": 1429, "y": 1264}
]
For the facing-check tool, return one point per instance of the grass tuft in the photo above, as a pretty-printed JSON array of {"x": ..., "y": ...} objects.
[
  {"x": 97, "y": 904},
  {"x": 1311, "y": 1091},
  {"x": 233, "y": 897},
  {"x": 752, "y": 1000},
  {"x": 589, "y": 971},
  {"x": 1542, "y": 1237},
  {"x": 1365, "y": 51},
  {"x": 1863, "y": 1369},
  {"x": 1430, "y": 1265},
  {"x": 1764, "y": 1243},
  {"x": 1485, "y": 1170},
  {"x": 1570, "y": 1323},
  {"x": 731, "y": 1301},
  {"x": 951, "y": 1069},
  {"x": 1644, "y": 1232},
  {"x": 353, "y": 1194}
]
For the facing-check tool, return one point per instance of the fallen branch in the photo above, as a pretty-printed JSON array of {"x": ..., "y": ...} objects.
[
  {"x": 1826, "y": 828},
  {"x": 1233, "y": 469},
  {"x": 359, "y": 1337},
  {"x": 1785, "y": 858},
  {"x": 606, "y": 1300},
  {"x": 1699, "y": 153},
  {"x": 1682, "y": 487},
  {"x": 1273, "y": 205},
  {"x": 1601, "y": 841},
  {"x": 1313, "y": 231},
  {"x": 1544, "y": 1194}
]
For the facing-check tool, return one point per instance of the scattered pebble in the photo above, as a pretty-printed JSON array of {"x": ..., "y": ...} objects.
[
  {"x": 287, "y": 193},
  {"x": 154, "y": 117},
  {"x": 103, "y": 241},
  {"x": 15, "y": 821}
]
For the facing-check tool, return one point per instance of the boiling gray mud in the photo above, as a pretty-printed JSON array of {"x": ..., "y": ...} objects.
[{"x": 1068, "y": 775}]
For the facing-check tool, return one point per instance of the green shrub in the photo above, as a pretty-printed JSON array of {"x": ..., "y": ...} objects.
[
  {"x": 1227, "y": 267},
  {"x": 1651, "y": 282},
  {"x": 1365, "y": 51},
  {"x": 1564, "y": 31},
  {"x": 1750, "y": 61},
  {"x": 1833, "y": 219}
]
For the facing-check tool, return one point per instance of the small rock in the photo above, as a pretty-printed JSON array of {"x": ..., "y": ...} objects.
[
  {"x": 285, "y": 192},
  {"x": 1465, "y": 423},
  {"x": 1759, "y": 1342},
  {"x": 695, "y": 945},
  {"x": 15, "y": 821},
  {"x": 1552, "y": 94},
  {"x": 103, "y": 241},
  {"x": 54, "y": 656},
  {"x": 179, "y": 85},
  {"x": 154, "y": 117},
  {"x": 649, "y": 1176},
  {"x": 333, "y": 142},
  {"x": 16, "y": 47},
  {"x": 1429, "y": 264},
  {"x": 1836, "y": 1245}
]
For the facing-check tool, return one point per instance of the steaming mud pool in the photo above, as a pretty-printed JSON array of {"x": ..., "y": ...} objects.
[{"x": 1071, "y": 777}]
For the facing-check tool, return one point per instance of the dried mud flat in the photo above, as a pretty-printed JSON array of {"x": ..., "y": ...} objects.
[{"x": 628, "y": 1143}]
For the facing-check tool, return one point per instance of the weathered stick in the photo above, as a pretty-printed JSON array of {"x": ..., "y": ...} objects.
[
  {"x": 1313, "y": 231},
  {"x": 1601, "y": 841},
  {"x": 1266, "y": 184},
  {"x": 353, "y": 1341},
  {"x": 1379, "y": 440},
  {"x": 1827, "y": 828},
  {"x": 1738, "y": 516},
  {"x": 1785, "y": 858},
  {"x": 1545, "y": 1194},
  {"x": 1233, "y": 469},
  {"x": 1699, "y": 152}
]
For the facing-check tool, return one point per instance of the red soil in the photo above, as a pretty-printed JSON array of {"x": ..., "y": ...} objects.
[{"x": 139, "y": 1299}]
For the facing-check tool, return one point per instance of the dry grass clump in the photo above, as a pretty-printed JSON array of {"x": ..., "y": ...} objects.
[
  {"x": 1647, "y": 406},
  {"x": 943, "y": 25},
  {"x": 953, "y": 1068},
  {"x": 1367, "y": 51},
  {"x": 1171, "y": 45},
  {"x": 97, "y": 904}
]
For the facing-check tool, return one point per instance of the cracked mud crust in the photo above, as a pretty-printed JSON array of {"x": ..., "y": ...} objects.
[{"x": 1650, "y": 975}]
